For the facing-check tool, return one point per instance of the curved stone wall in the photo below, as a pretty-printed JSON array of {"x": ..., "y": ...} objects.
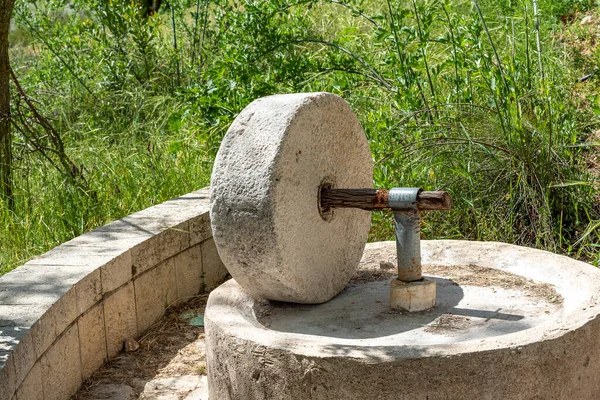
[{"x": 66, "y": 312}]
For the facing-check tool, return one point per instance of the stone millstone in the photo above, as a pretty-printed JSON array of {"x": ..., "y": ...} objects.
[{"x": 270, "y": 232}]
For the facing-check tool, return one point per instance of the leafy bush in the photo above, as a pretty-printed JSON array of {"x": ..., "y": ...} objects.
[{"x": 452, "y": 94}]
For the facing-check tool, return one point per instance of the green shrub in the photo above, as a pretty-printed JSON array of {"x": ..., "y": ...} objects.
[{"x": 452, "y": 94}]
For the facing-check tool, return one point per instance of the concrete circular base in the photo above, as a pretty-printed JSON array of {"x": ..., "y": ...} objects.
[{"x": 510, "y": 323}]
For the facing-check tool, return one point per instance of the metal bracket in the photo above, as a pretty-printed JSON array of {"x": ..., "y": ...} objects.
[{"x": 406, "y": 204}]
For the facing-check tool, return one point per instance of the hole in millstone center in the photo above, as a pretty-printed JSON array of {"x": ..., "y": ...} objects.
[{"x": 327, "y": 213}]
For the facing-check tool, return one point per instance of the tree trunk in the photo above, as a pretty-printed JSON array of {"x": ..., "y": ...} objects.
[
  {"x": 6, "y": 186},
  {"x": 152, "y": 6}
]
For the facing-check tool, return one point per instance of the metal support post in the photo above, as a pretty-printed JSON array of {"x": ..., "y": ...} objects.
[{"x": 408, "y": 232}]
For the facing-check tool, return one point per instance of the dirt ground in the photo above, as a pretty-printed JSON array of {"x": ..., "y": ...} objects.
[{"x": 169, "y": 364}]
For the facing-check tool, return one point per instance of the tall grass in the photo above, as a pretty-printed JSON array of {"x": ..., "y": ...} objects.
[
  {"x": 453, "y": 94},
  {"x": 124, "y": 176},
  {"x": 466, "y": 109}
]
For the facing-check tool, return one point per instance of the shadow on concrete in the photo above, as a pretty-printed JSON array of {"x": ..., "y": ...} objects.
[{"x": 362, "y": 311}]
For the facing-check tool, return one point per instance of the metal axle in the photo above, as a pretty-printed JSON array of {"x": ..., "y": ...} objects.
[{"x": 406, "y": 204}]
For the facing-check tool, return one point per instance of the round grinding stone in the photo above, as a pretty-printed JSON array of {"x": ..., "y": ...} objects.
[{"x": 267, "y": 224}]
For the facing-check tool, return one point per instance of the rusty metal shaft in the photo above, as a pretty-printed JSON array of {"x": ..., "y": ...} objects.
[
  {"x": 378, "y": 199},
  {"x": 406, "y": 203}
]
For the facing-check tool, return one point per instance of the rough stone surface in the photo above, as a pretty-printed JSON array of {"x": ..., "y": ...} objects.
[
  {"x": 527, "y": 330},
  {"x": 32, "y": 387},
  {"x": 185, "y": 383},
  {"x": 200, "y": 229},
  {"x": 88, "y": 291},
  {"x": 188, "y": 270},
  {"x": 43, "y": 333},
  {"x": 112, "y": 391},
  {"x": 71, "y": 256},
  {"x": 159, "y": 247},
  {"x": 116, "y": 272},
  {"x": 198, "y": 394},
  {"x": 23, "y": 357},
  {"x": 130, "y": 345},
  {"x": 187, "y": 387},
  {"x": 264, "y": 196},
  {"x": 16, "y": 339},
  {"x": 412, "y": 296},
  {"x": 213, "y": 269},
  {"x": 62, "y": 382},
  {"x": 64, "y": 311},
  {"x": 120, "y": 317},
  {"x": 37, "y": 284},
  {"x": 7, "y": 377},
  {"x": 92, "y": 341},
  {"x": 151, "y": 299}
]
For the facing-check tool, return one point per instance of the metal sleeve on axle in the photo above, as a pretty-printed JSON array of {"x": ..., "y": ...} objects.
[{"x": 403, "y": 198}]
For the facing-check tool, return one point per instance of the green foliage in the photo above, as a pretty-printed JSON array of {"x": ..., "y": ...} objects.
[{"x": 450, "y": 93}]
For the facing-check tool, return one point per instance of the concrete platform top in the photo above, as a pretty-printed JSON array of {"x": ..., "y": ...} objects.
[
  {"x": 490, "y": 296},
  {"x": 462, "y": 313}
]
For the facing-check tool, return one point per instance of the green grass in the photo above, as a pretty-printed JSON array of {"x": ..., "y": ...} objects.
[
  {"x": 451, "y": 97},
  {"x": 124, "y": 177}
]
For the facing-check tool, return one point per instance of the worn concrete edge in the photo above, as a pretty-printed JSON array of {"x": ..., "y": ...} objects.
[{"x": 47, "y": 296}]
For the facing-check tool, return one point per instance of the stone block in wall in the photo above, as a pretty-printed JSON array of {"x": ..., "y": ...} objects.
[
  {"x": 7, "y": 378},
  {"x": 60, "y": 383},
  {"x": 159, "y": 248},
  {"x": 23, "y": 357},
  {"x": 200, "y": 229},
  {"x": 92, "y": 340},
  {"x": 43, "y": 333},
  {"x": 32, "y": 386},
  {"x": 64, "y": 311},
  {"x": 155, "y": 290},
  {"x": 88, "y": 291},
  {"x": 213, "y": 269},
  {"x": 188, "y": 272},
  {"x": 120, "y": 320},
  {"x": 116, "y": 272}
]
